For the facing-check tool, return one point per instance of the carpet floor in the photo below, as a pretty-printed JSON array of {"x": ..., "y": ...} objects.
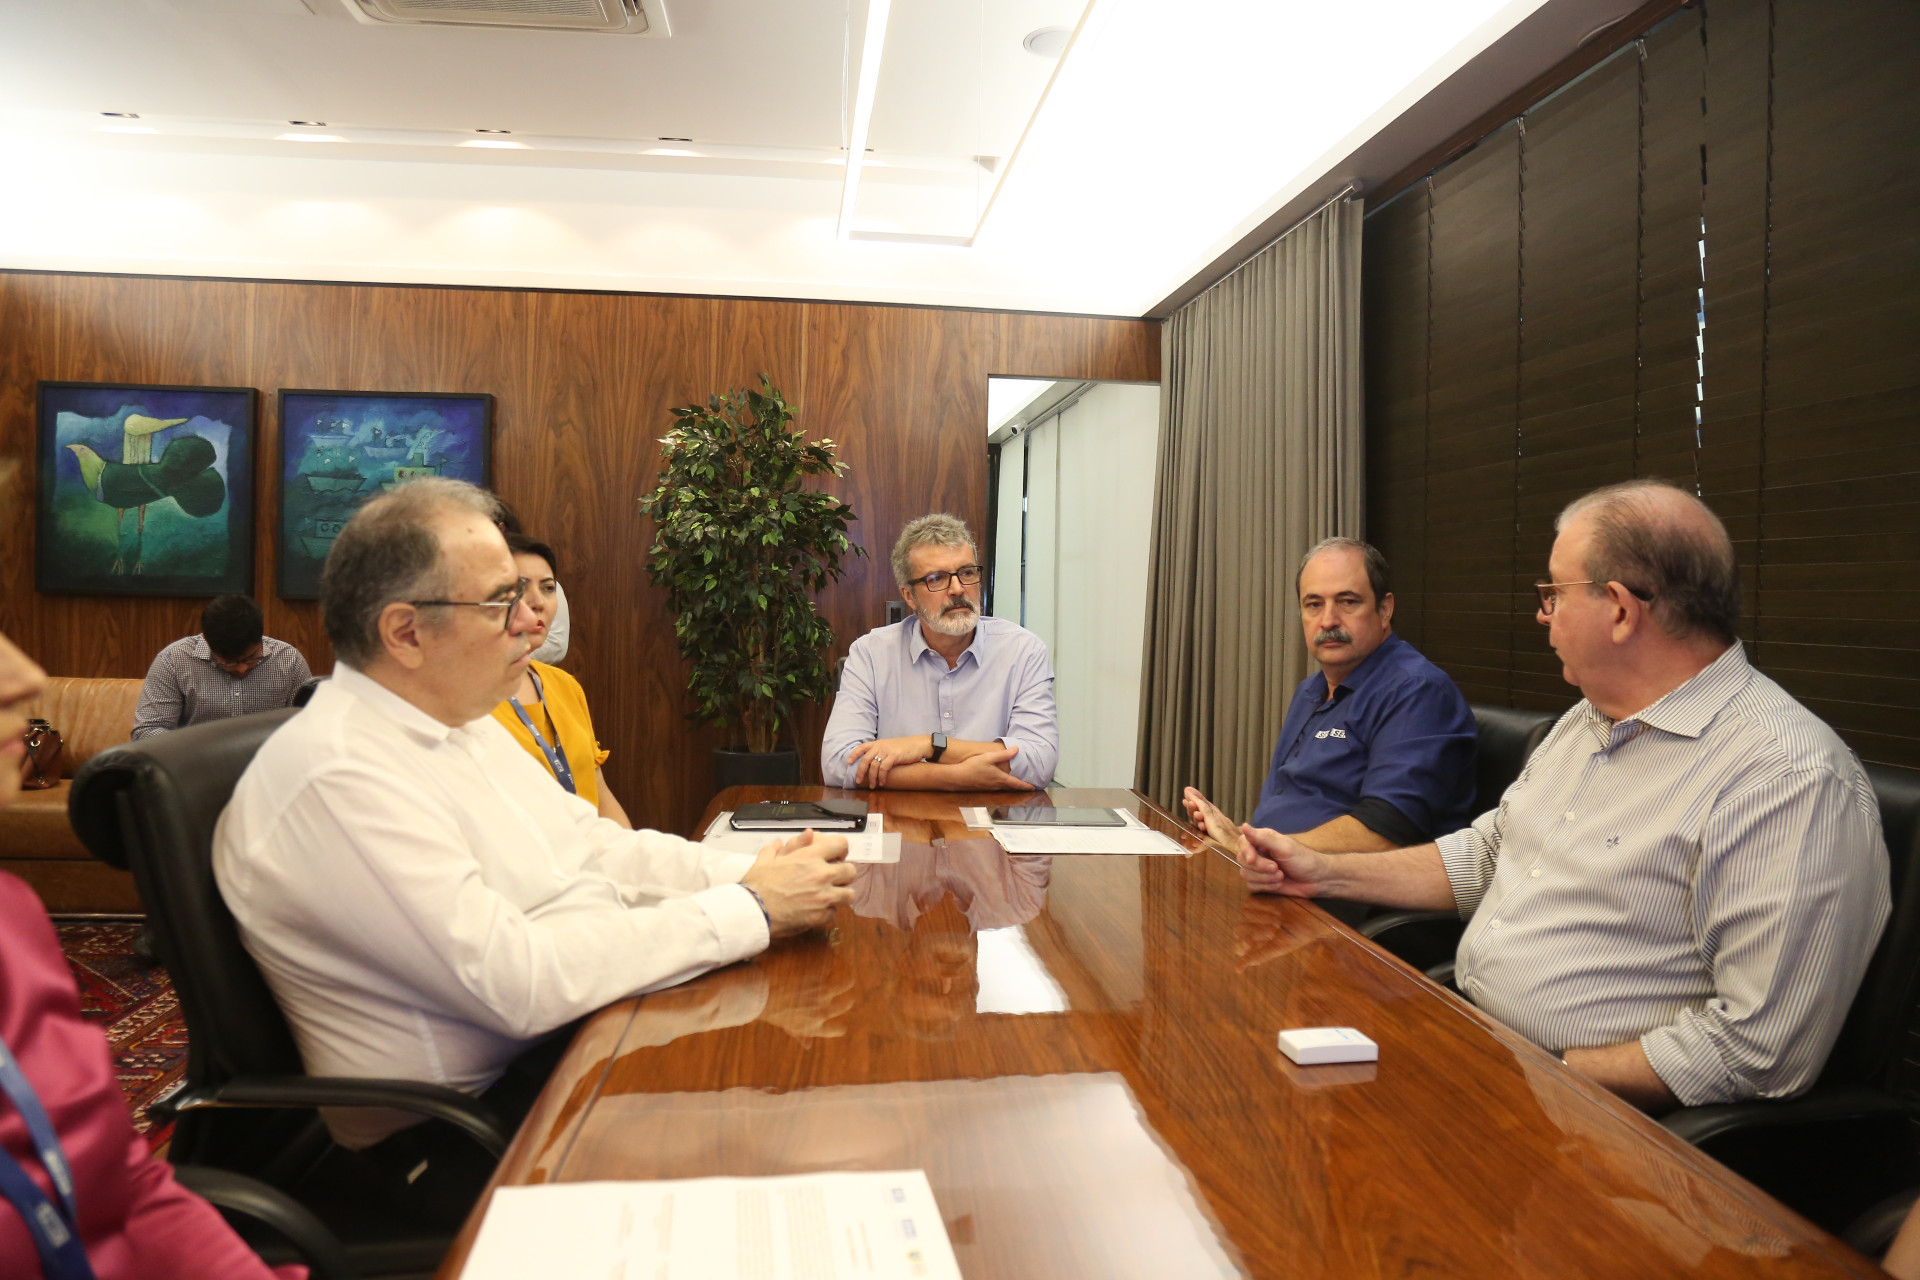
[{"x": 136, "y": 1007}]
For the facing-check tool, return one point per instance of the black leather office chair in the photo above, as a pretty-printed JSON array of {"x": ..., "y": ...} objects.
[
  {"x": 1851, "y": 1140},
  {"x": 1872, "y": 1232},
  {"x": 247, "y": 1106},
  {"x": 1506, "y": 738}
]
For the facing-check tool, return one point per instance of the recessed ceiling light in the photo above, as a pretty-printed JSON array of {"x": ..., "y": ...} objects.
[
  {"x": 309, "y": 137},
  {"x": 493, "y": 131},
  {"x": 122, "y": 115},
  {"x": 1047, "y": 42},
  {"x": 309, "y": 124},
  {"x": 673, "y": 139}
]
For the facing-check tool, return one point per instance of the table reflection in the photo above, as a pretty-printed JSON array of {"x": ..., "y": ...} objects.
[{"x": 956, "y": 907}]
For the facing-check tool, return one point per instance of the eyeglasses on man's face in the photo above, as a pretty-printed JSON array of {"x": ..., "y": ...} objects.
[
  {"x": 1550, "y": 593},
  {"x": 969, "y": 575},
  {"x": 506, "y": 606}
]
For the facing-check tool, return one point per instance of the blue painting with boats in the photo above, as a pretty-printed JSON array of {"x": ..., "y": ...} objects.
[
  {"x": 338, "y": 449},
  {"x": 144, "y": 490}
]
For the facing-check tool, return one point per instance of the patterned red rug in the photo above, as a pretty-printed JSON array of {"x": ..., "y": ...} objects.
[{"x": 135, "y": 1006}]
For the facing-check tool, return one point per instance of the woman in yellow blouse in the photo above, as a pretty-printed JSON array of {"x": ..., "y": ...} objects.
[{"x": 547, "y": 714}]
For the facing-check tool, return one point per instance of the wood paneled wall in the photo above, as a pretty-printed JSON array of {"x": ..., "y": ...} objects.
[{"x": 583, "y": 384}]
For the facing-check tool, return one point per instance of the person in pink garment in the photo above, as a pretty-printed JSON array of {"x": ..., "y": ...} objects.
[{"x": 134, "y": 1221}]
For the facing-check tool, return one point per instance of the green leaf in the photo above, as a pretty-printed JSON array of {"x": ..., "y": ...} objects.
[{"x": 738, "y": 546}]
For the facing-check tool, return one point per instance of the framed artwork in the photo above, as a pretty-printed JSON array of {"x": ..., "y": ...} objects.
[
  {"x": 340, "y": 448},
  {"x": 144, "y": 490}
]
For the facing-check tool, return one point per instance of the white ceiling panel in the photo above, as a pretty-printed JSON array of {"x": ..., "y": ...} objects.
[{"x": 711, "y": 159}]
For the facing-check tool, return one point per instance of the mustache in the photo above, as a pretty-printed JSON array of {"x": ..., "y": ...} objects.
[
  {"x": 1333, "y": 635},
  {"x": 959, "y": 606}
]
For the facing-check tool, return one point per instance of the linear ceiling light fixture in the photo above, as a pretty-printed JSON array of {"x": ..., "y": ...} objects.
[
  {"x": 1065, "y": 47},
  {"x": 1080, "y": 29},
  {"x": 870, "y": 48}
]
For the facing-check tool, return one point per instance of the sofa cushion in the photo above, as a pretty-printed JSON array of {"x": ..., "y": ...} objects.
[
  {"x": 91, "y": 714},
  {"x": 35, "y": 826}
]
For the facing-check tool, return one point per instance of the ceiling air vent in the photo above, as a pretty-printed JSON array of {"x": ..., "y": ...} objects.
[{"x": 614, "y": 17}]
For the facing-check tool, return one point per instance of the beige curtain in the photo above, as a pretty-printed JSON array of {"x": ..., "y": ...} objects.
[{"x": 1260, "y": 458}]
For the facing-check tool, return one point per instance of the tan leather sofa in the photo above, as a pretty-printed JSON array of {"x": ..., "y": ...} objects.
[{"x": 36, "y": 842}]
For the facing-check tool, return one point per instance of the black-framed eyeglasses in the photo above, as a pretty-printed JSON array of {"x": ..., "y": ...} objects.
[
  {"x": 969, "y": 575},
  {"x": 1550, "y": 593},
  {"x": 508, "y": 605}
]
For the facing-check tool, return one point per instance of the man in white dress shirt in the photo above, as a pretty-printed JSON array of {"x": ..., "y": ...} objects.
[{"x": 424, "y": 900}]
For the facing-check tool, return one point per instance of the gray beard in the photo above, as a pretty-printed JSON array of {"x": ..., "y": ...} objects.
[{"x": 957, "y": 623}]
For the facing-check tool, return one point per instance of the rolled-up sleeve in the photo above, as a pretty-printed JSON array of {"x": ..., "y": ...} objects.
[
  {"x": 855, "y": 718},
  {"x": 1033, "y": 724},
  {"x": 1469, "y": 855},
  {"x": 1790, "y": 894},
  {"x": 1420, "y": 760}
]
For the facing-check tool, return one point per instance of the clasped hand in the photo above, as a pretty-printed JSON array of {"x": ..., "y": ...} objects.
[
  {"x": 965, "y": 766},
  {"x": 802, "y": 882}
]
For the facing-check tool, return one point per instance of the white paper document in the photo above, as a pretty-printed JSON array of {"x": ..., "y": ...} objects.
[
  {"x": 816, "y": 1226},
  {"x": 875, "y": 844},
  {"x": 1127, "y": 841}
]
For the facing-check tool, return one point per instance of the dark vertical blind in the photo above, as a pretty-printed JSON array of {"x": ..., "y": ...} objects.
[
  {"x": 1698, "y": 261},
  {"x": 1473, "y": 241}
]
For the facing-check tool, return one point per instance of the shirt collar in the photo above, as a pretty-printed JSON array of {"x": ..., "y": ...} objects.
[
  {"x": 1689, "y": 709},
  {"x": 202, "y": 650},
  {"x": 1686, "y": 711},
  {"x": 917, "y": 643},
  {"x": 1357, "y": 678},
  {"x": 388, "y": 703}
]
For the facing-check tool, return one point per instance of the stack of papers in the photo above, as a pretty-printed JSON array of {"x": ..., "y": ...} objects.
[
  {"x": 875, "y": 844},
  {"x": 801, "y": 1227}
]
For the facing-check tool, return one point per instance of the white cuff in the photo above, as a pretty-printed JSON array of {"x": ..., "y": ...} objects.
[{"x": 737, "y": 920}]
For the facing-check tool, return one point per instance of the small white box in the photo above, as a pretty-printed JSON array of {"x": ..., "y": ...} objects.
[{"x": 1316, "y": 1046}]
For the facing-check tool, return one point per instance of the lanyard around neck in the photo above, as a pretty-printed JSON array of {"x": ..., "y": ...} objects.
[
  {"x": 556, "y": 758},
  {"x": 54, "y": 1228}
]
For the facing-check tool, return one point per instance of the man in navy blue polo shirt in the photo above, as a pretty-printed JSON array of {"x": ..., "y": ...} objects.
[{"x": 1377, "y": 748}]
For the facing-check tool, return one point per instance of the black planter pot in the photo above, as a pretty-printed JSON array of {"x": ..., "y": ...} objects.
[{"x": 739, "y": 767}]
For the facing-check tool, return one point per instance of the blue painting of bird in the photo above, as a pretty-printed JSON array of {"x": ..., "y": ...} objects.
[{"x": 185, "y": 473}]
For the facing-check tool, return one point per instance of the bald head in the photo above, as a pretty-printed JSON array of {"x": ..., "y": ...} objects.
[{"x": 1661, "y": 541}]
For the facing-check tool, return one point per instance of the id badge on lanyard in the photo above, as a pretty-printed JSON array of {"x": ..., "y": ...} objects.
[
  {"x": 556, "y": 758},
  {"x": 54, "y": 1226}
]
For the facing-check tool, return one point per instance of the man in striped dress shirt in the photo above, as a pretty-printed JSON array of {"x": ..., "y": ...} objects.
[{"x": 1682, "y": 890}]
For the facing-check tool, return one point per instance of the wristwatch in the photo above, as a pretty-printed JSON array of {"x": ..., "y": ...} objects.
[{"x": 939, "y": 748}]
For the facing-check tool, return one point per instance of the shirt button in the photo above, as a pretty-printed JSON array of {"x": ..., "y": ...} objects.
[
  {"x": 1535, "y": 873},
  {"x": 1569, "y": 815},
  {"x": 1495, "y": 924}
]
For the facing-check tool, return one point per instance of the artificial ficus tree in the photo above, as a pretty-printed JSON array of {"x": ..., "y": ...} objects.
[{"x": 741, "y": 546}]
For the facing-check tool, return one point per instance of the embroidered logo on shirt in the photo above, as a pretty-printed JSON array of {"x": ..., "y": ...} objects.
[
  {"x": 1613, "y": 842},
  {"x": 1331, "y": 733}
]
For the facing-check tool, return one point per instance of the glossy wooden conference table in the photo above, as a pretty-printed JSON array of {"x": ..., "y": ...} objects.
[{"x": 1080, "y": 1052}]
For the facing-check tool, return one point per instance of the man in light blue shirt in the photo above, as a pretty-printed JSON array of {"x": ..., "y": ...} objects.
[{"x": 946, "y": 700}]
